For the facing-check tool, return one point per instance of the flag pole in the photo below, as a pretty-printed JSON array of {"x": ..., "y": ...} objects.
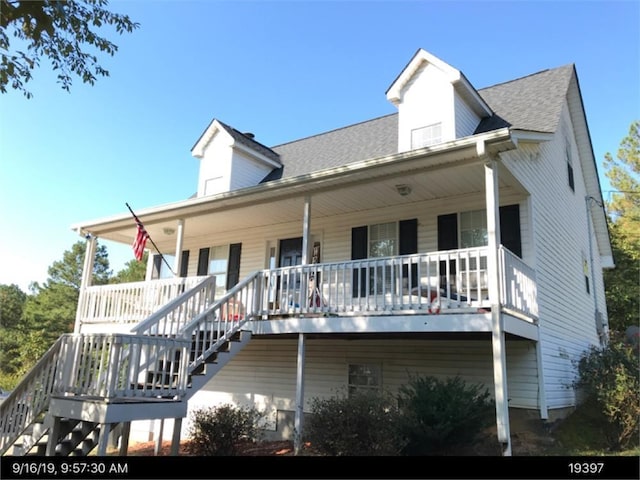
[{"x": 151, "y": 240}]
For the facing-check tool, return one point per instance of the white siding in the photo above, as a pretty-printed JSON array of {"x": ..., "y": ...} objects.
[
  {"x": 215, "y": 166},
  {"x": 246, "y": 172},
  {"x": 466, "y": 119},
  {"x": 264, "y": 372},
  {"x": 427, "y": 99},
  {"x": 567, "y": 323}
]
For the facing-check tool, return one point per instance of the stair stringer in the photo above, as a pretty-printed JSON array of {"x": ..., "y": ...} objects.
[{"x": 197, "y": 381}]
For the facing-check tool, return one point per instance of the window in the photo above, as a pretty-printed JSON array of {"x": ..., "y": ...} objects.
[
  {"x": 473, "y": 229},
  {"x": 364, "y": 378},
  {"x": 377, "y": 241},
  {"x": 160, "y": 267},
  {"x": 382, "y": 243},
  {"x": 218, "y": 262},
  {"x": 426, "y": 136},
  {"x": 383, "y": 240}
]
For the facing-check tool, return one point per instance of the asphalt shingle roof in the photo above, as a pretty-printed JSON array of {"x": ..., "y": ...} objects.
[{"x": 531, "y": 103}]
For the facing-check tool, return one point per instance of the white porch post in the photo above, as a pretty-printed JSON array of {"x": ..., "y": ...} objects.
[
  {"x": 177, "y": 263},
  {"x": 87, "y": 276},
  {"x": 497, "y": 329},
  {"x": 299, "y": 414},
  {"x": 306, "y": 230}
]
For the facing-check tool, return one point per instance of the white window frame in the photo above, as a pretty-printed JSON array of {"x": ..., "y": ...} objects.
[
  {"x": 426, "y": 136},
  {"x": 219, "y": 253},
  {"x": 389, "y": 232},
  {"x": 371, "y": 373}
]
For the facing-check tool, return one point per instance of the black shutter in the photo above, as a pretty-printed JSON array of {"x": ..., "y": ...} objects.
[
  {"x": 448, "y": 231},
  {"x": 203, "y": 261},
  {"x": 184, "y": 263},
  {"x": 359, "y": 250},
  {"x": 447, "y": 240},
  {"x": 409, "y": 245},
  {"x": 510, "y": 235},
  {"x": 233, "y": 270}
]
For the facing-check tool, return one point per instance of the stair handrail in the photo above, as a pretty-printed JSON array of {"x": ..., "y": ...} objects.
[
  {"x": 26, "y": 402},
  {"x": 170, "y": 319},
  {"x": 224, "y": 317}
]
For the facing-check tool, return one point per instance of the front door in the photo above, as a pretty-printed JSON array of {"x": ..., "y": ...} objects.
[
  {"x": 289, "y": 283},
  {"x": 290, "y": 252}
]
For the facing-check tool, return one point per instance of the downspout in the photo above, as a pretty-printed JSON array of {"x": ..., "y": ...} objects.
[
  {"x": 498, "y": 342},
  {"x": 604, "y": 334}
]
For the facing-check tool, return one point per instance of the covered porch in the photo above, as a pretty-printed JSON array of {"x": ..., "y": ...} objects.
[{"x": 485, "y": 287}]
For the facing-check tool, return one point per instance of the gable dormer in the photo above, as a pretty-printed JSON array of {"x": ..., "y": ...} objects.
[
  {"x": 230, "y": 160},
  {"x": 436, "y": 103}
]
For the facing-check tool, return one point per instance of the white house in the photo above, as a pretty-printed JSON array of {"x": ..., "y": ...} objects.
[{"x": 463, "y": 235}]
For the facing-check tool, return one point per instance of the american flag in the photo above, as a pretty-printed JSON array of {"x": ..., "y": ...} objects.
[{"x": 140, "y": 240}]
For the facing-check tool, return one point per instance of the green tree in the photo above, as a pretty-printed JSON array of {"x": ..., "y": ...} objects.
[
  {"x": 51, "y": 310},
  {"x": 12, "y": 301},
  {"x": 133, "y": 271},
  {"x": 68, "y": 271},
  {"x": 622, "y": 289},
  {"x": 65, "y": 32}
]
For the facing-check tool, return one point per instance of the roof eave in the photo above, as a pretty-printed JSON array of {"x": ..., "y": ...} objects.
[{"x": 495, "y": 142}]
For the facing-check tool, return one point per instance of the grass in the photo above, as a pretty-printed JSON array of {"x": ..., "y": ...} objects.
[{"x": 584, "y": 433}]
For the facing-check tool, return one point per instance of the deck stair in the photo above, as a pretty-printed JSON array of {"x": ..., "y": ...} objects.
[{"x": 88, "y": 384}]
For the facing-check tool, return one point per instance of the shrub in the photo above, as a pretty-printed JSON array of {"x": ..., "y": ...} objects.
[
  {"x": 439, "y": 416},
  {"x": 356, "y": 425},
  {"x": 609, "y": 376},
  {"x": 219, "y": 430}
]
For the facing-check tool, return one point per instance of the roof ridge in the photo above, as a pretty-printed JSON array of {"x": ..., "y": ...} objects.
[
  {"x": 335, "y": 130},
  {"x": 527, "y": 76}
]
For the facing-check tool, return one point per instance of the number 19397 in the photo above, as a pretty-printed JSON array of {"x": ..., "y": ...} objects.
[{"x": 585, "y": 467}]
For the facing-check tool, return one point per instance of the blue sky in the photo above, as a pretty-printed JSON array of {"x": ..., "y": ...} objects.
[{"x": 282, "y": 70}]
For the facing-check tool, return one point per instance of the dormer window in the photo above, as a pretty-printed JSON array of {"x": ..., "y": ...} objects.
[{"x": 426, "y": 136}]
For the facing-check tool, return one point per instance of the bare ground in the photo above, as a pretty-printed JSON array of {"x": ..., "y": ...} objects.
[{"x": 531, "y": 442}]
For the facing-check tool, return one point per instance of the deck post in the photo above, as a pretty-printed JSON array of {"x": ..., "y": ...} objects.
[
  {"x": 306, "y": 230},
  {"x": 124, "y": 438},
  {"x": 497, "y": 322},
  {"x": 177, "y": 264},
  {"x": 299, "y": 414},
  {"x": 103, "y": 439},
  {"x": 175, "y": 440},
  {"x": 158, "y": 447},
  {"x": 87, "y": 276},
  {"x": 54, "y": 433}
]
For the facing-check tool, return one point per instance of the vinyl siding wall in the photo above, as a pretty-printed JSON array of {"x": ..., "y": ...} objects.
[
  {"x": 334, "y": 233},
  {"x": 264, "y": 372},
  {"x": 466, "y": 120},
  {"x": 567, "y": 325},
  {"x": 246, "y": 172}
]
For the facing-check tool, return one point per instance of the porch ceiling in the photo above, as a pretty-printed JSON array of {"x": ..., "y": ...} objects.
[{"x": 450, "y": 174}]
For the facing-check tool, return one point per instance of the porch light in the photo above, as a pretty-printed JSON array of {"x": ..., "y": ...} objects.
[
  {"x": 168, "y": 230},
  {"x": 403, "y": 189}
]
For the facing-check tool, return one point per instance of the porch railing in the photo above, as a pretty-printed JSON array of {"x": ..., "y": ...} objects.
[
  {"x": 117, "y": 366},
  {"x": 129, "y": 302},
  {"x": 518, "y": 285},
  {"x": 437, "y": 281},
  {"x": 104, "y": 366}
]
